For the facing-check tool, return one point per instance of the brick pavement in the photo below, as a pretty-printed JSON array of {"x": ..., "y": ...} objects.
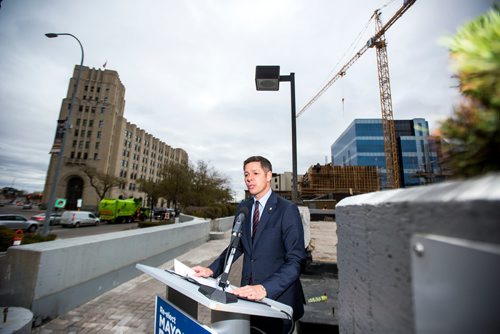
[{"x": 129, "y": 308}]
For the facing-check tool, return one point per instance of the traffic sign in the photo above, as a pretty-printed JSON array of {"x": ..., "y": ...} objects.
[{"x": 60, "y": 203}]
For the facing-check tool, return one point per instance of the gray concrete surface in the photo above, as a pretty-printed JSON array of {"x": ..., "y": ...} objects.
[
  {"x": 129, "y": 308},
  {"x": 374, "y": 251},
  {"x": 52, "y": 278}
]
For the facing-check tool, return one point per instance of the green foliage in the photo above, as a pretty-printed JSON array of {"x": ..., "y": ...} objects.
[
  {"x": 214, "y": 211},
  {"x": 473, "y": 131},
  {"x": 176, "y": 182},
  {"x": 7, "y": 238},
  {"x": 152, "y": 189},
  {"x": 208, "y": 187},
  {"x": 32, "y": 238}
]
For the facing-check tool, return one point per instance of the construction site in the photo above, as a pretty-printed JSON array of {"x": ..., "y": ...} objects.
[{"x": 336, "y": 182}]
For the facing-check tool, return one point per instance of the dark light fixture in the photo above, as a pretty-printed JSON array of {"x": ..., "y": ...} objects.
[{"x": 268, "y": 78}]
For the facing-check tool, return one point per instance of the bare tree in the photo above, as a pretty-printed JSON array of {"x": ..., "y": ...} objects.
[
  {"x": 153, "y": 192},
  {"x": 176, "y": 182},
  {"x": 101, "y": 182},
  {"x": 209, "y": 186}
]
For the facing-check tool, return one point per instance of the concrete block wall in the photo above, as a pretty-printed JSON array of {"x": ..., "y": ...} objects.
[
  {"x": 221, "y": 224},
  {"x": 374, "y": 251},
  {"x": 52, "y": 278}
]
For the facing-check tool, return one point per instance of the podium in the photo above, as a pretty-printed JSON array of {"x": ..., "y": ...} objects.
[{"x": 226, "y": 318}]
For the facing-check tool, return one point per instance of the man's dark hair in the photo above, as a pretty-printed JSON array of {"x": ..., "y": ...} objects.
[{"x": 264, "y": 163}]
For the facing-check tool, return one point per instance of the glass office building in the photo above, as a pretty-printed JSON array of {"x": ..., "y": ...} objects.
[{"x": 362, "y": 144}]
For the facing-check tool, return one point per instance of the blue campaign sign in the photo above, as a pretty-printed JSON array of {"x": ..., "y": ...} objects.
[{"x": 171, "y": 320}]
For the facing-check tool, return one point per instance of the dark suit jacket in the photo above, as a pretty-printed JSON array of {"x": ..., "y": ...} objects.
[{"x": 276, "y": 255}]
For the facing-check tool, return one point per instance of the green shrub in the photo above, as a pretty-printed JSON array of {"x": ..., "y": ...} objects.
[
  {"x": 214, "y": 211},
  {"x": 32, "y": 238},
  {"x": 7, "y": 238},
  {"x": 473, "y": 131}
]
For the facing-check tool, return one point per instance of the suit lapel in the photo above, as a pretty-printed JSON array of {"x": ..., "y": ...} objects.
[{"x": 247, "y": 236}]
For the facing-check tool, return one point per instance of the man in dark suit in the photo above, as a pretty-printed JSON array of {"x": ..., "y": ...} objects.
[{"x": 272, "y": 241}]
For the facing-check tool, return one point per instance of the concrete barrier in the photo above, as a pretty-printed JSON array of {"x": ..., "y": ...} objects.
[
  {"x": 53, "y": 277},
  {"x": 374, "y": 245}
]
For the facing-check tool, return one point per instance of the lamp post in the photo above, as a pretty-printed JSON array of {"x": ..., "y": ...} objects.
[
  {"x": 67, "y": 124},
  {"x": 268, "y": 78}
]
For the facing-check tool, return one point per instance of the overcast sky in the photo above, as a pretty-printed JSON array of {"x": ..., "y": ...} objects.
[{"x": 188, "y": 68}]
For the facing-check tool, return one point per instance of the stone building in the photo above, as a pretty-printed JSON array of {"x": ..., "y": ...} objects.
[{"x": 101, "y": 138}]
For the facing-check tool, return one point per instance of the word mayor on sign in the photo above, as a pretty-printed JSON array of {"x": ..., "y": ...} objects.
[{"x": 170, "y": 320}]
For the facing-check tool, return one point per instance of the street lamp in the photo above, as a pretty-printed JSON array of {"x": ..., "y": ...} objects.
[
  {"x": 268, "y": 78},
  {"x": 67, "y": 124}
]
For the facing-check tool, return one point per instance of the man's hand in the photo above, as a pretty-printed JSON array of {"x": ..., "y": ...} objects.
[
  {"x": 252, "y": 292},
  {"x": 200, "y": 271}
]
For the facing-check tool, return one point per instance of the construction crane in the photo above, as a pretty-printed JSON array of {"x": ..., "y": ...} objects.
[{"x": 379, "y": 42}]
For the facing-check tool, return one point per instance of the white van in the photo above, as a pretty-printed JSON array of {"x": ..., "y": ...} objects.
[{"x": 78, "y": 218}]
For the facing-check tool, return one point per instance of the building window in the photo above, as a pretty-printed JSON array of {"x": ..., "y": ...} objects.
[
  {"x": 103, "y": 109},
  {"x": 80, "y": 108},
  {"x": 74, "y": 144},
  {"x": 95, "y": 156},
  {"x": 85, "y": 156},
  {"x": 97, "y": 145},
  {"x": 76, "y": 132},
  {"x": 86, "y": 108},
  {"x": 98, "y": 134},
  {"x": 87, "y": 144},
  {"x": 93, "y": 110},
  {"x": 84, "y": 123},
  {"x": 101, "y": 123},
  {"x": 78, "y": 121},
  {"x": 72, "y": 155},
  {"x": 91, "y": 123}
]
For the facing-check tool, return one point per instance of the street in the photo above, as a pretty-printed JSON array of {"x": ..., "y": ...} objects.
[{"x": 65, "y": 233}]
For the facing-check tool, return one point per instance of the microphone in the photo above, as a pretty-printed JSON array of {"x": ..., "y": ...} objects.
[
  {"x": 238, "y": 222},
  {"x": 219, "y": 294}
]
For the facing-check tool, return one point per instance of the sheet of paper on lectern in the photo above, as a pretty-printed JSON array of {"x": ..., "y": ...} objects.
[{"x": 183, "y": 270}]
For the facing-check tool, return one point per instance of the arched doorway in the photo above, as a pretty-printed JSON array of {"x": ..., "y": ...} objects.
[{"x": 74, "y": 191}]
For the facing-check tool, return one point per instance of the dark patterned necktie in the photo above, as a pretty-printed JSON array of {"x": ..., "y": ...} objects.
[{"x": 255, "y": 218}]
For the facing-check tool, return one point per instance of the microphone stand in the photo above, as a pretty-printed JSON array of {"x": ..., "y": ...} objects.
[{"x": 220, "y": 294}]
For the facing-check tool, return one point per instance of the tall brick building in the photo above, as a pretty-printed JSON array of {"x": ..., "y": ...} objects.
[{"x": 100, "y": 137}]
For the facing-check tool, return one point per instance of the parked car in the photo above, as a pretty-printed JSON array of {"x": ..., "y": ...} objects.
[
  {"x": 55, "y": 218},
  {"x": 163, "y": 213},
  {"x": 27, "y": 206},
  {"x": 78, "y": 218},
  {"x": 18, "y": 222}
]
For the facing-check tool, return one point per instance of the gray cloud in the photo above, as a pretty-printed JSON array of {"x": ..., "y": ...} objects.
[{"x": 188, "y": 69}]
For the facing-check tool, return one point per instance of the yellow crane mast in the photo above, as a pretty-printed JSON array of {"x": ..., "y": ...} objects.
[{"x": 378, "y": 41}]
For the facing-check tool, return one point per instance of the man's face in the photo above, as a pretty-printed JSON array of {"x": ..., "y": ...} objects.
[{"x": 256, "y": 179}]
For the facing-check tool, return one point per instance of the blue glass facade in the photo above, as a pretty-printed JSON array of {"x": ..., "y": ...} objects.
[{"x": 362, "y": 144}]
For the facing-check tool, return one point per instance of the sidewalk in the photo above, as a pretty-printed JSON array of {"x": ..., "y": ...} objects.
[{"x": 129, "y": 308}]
